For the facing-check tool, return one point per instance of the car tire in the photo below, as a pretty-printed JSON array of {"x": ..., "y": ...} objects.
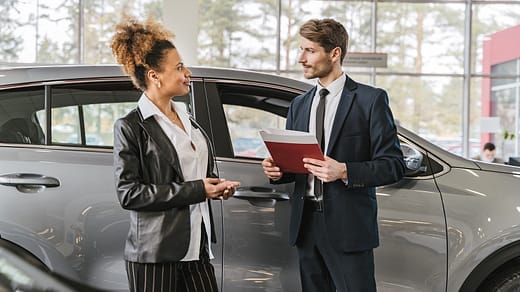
[
  {"x": 504, "y": 280},
  {"x": 23, "y": 253}
]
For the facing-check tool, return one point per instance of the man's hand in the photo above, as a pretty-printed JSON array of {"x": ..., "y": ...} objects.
[
  {"x": 270, "y": 169},
  {"x": 327, "y": 170}
]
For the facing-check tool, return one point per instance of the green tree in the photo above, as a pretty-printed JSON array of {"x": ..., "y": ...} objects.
[
  {"x": 100, "y": 17},
  {"x": 405, "y": 33},
  {"x": 219, "y": 22},
  {"x": 356, "y": 18},
  {"x": 58, "y": 46},
  {"x": 11, "y": 41},
  {"x": 354, "y": 15},
  {"x": 153, "y": 9},
  {"x": 293, "y": 15},
  {"x": 47, "y": 52}
]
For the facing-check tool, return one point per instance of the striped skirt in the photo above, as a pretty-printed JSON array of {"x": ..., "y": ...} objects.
[{"x": 191, "y": 276}]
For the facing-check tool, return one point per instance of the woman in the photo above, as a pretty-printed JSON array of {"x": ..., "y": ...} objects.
[{"x": 164, "y": 169}]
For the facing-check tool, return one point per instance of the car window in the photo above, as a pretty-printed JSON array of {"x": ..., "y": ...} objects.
[
  {"x": 19, "y": 123},
  {"x": 97, "y": 123},
  {"x": 84, "y": 114},
  {"x": 244, "y": 124},
  {"x": 250, "y": 108}
]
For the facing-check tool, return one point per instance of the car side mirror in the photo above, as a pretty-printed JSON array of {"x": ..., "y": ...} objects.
[{"x": 413, "y": 159}]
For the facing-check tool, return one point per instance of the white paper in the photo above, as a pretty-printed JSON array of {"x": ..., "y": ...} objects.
[{"x": 287, "y": 136}]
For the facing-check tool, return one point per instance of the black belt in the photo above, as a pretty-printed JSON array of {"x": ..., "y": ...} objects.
[{"x": 313, "y": 204}]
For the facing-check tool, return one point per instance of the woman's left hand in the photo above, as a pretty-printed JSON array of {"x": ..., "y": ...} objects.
[{"x": 230, "y": 188}]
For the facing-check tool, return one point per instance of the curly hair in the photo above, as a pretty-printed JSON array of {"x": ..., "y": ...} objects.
[
  {"x": 328, "y": 33},
  {"x": 140, "y": 47}
]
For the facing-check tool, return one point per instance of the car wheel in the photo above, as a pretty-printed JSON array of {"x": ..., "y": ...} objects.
[
  {"x": 23, "y": 253},
  {"x": 504, "y": 280}
]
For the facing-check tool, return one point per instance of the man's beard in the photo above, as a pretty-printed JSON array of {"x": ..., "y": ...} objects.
[{"x": 319, "y": 73}]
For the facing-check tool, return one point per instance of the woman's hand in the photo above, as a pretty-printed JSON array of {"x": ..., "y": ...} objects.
[
  {"x": 230, "y": 188},
  {"x": 217, "y": 188}
]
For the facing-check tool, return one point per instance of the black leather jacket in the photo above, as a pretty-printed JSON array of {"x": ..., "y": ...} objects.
[{"x": 150, "y": 183}]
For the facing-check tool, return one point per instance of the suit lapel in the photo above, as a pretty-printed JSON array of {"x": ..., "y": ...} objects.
[
  {"x": 306, "y": 111},
  {"x": 345, "y": 103},
  {"x": 163, "y": 143}
]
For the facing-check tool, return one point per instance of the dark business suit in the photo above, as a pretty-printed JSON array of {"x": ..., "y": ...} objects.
[{"x": 364, "y": 137}]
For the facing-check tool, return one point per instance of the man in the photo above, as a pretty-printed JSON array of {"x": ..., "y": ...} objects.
[
  {"x": 489, "y": 154},
  {"x": 335, "y": 227}
]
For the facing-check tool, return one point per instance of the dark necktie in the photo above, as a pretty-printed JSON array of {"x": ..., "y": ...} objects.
[{"x": 320, "y": 136}]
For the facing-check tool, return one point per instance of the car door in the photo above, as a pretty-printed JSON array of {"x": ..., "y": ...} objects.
[
  {"x": 105, "y": 223},
  {"x": 257, "y": 256},
  {"x": 412, "y": 255},
  {"x": 58, "y": 198},
  {"x": 61, "y": 201},
  {"x": 27, "y": 183},
  {"x": 81, "y": 119}
]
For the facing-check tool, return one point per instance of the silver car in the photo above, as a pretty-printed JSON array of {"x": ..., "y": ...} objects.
[
  {"x": 20, "y": 272},
  {"x": 451, "y": 224}
]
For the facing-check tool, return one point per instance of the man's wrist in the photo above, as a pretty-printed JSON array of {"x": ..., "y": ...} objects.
[{"x": 344, "y": 174}]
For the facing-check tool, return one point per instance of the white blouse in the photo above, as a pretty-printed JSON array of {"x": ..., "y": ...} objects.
[{"x": 194, "y": 163}]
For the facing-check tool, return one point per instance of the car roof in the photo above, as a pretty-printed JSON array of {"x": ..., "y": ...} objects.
[
  {"x": 59, "y": 73},
  {"x": 55, "y": 73}
]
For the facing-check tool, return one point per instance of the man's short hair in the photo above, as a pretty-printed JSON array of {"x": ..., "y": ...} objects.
[
  {"x": 489, "y": 146},
  {"x": 328, "y": 33}
]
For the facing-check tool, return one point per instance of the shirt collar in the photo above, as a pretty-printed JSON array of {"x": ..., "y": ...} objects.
[
  {"x": 148, "y": 109},
  {"x": 335, "y": 87}
]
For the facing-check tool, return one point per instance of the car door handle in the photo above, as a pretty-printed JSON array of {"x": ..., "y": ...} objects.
[
  {"x": 259, "y": 193},
  {"x": 29, "y": 182}
]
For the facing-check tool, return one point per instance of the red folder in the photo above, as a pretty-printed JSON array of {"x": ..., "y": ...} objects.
[{"x": 288, "y": 148}]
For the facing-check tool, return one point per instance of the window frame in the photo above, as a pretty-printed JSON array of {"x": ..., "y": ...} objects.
[
  {"x": 217, "y": 122},
  {"x": 39, "y": 89},
  {"x": 107, "y": 84}
]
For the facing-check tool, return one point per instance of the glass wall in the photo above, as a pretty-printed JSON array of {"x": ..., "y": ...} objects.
[
  {"x": 495, "y": 39},
  {"x": 452, "y": 67},
  {"x": 422, "y": 37},
  {"x": 64, "y": 31},
  {"x": 504, "y": 103}
]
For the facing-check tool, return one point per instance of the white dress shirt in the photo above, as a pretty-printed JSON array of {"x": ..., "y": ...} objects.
[
  {"x": 194, "y": 163},
  {"x": 331, "y": 105}
]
